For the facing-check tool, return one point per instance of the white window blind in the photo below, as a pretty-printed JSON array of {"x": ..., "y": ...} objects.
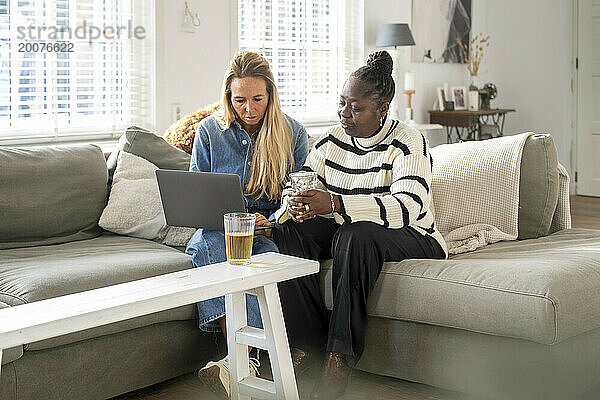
[
  {"x": 103, "y": 85},
  {"x": 311, "y": 45}
]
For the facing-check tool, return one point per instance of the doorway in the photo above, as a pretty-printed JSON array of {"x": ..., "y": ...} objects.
[{"x": 588, "y": 97}]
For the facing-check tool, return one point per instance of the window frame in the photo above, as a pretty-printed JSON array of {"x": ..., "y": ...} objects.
[
  {"x": 146, "y": 94},
  {"x": 358, "y": 50}
]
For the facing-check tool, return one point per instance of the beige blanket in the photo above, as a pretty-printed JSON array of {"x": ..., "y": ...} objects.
[{"x": 476, "y": 191}]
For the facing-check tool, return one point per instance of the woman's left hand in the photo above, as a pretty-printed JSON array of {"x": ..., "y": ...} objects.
[
  {"x": 318, "y": 202},
  {"x": 262, "y": 222}
]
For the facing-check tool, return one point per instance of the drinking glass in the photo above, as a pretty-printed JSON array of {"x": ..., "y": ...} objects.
[
  {"x": 303, "y": 180},
  {"x": 239, "y": 234}
]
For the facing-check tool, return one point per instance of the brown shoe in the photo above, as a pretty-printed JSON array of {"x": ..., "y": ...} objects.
[
  {"x": 334, "y": 378},
  {"x": 301, "y": 361}
]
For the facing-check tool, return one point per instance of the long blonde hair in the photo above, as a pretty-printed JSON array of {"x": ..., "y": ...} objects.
[{"x": 273, "y": 155}]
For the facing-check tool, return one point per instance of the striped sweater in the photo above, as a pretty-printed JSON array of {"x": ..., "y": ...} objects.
[{"x": 385, "y": 179}]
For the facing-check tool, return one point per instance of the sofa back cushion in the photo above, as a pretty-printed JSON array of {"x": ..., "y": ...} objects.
[
  {"x": 538, "y": 186},
  {"x": 50, "y": 195},
  {"x": 538, "y": 189}
]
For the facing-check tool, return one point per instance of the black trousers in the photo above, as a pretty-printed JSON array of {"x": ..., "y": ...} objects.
[{"x": 358, "y": 250}]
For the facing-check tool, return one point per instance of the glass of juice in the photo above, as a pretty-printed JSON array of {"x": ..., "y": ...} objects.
[{"x": 239, "y": 234}]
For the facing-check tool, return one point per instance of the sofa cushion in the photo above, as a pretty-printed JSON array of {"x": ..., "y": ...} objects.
[
  {"x": 134, "y": 207},
  {"x": 50, "y": 194},
  {"x": 538, "y": 188},
  {"x": 147, "y": 145},
  {"x": 14, "y": 353},
  {"x": 37, "y": 273},
  {"x": 544, "y": 290}
]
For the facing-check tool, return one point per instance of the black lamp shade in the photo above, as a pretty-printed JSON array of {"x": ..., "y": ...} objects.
[{"x": 394, "y": 35}]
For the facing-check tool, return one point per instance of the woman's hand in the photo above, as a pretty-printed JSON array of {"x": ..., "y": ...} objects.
[
  {"x": 262, "y": 222},
  {"x": 294, "y": 209},
  {"x": 310, "y": 203}
]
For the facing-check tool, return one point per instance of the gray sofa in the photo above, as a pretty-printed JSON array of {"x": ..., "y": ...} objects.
[
  {"x": 512, "y": 320},
  {"x": 50, "y": 245}
]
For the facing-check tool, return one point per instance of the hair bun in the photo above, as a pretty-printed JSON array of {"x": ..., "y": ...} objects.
[{"x": 381, "y": 61}]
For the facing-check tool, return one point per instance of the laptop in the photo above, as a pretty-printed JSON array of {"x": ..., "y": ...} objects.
[{"x": 199, "y": 199}]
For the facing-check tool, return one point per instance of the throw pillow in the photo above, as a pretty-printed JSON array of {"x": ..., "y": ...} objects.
[
  {"x": 134, "y": 207},
  {"x": 182, "y": 132},
  {"x": 538, "y": 189},
  {"x": 145, "y": 144}
]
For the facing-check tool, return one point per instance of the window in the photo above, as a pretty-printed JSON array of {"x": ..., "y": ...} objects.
[
  {"x": 312, "y": 46},
  {"x": 75, "y": 67}
]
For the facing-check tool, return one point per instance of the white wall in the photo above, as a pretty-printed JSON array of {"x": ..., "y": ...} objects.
[
  {"x": 190, "y": 66},
  {"x": 531, "y": 63},
  {"x": 529, "y": 60}
]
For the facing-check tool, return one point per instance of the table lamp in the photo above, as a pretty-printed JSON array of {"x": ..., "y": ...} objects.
[{"x": 394, "y": 35}]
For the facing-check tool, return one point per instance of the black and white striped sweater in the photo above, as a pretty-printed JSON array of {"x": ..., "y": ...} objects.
[{"x": 385, "y": 179}]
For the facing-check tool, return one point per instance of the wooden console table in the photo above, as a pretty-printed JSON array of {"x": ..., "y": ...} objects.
[{"x": 468, "y": 124}]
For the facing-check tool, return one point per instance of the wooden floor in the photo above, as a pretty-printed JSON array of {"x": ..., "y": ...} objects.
[
  {"x": 585, "y": 213},
  {"x": 362, "y": 386}
]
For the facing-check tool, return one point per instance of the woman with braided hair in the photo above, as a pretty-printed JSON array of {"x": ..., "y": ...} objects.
[{"x": 373, "y": 205}]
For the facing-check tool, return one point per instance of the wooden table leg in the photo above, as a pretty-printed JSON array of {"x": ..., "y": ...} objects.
[
  {"x": 276, "y": 337},
  {"x": 235, "y": 306}
]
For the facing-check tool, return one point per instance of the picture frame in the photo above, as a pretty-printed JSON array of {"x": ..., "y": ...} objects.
[
  {"x": 441, "y": 97},
  {"x": 459, "y": 97}
]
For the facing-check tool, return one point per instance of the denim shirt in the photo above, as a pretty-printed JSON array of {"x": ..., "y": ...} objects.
[{"x": 230, "y": 151}]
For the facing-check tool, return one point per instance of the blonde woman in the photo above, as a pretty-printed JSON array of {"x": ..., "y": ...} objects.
[{"x": 249, "y": 136}]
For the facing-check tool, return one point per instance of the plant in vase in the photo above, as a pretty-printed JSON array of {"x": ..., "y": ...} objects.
[{"x": 473, "y": 54}]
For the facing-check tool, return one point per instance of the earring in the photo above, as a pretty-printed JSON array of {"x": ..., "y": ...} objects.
[{"x": 381, "y": 121}]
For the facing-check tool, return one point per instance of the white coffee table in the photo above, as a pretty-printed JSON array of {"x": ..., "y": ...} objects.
[{"x": 75, "y": 312}]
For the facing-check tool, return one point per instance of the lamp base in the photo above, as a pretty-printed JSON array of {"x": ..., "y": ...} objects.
[{"x": 396, "y": 104}]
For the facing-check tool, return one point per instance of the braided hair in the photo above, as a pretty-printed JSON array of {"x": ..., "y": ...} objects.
[{"x": 376, "y": 77}]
